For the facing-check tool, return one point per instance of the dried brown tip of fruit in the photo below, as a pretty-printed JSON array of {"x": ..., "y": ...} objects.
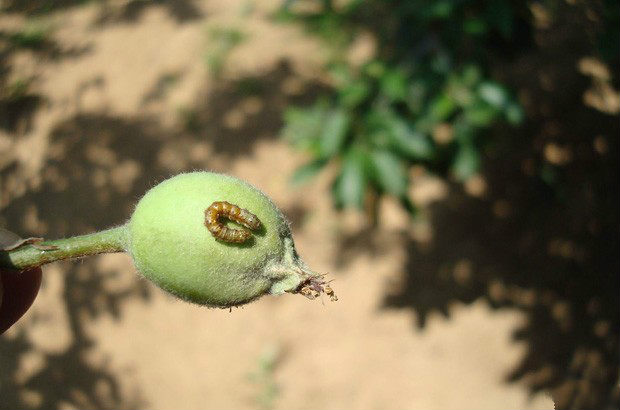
[{"x": 313, "y": 287}]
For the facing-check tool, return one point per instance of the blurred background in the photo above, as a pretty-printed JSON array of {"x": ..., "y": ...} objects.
[{"x": 453, "y": 165}]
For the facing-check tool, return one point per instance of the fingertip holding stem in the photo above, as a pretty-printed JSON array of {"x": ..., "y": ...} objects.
[{"x": 18, "y": 291}]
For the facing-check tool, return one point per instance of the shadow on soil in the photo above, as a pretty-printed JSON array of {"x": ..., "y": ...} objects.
[
  {"x": 545, "y": 240},
  {"x": 18, "y": 102},
  {"x": 180, "y": 10}
]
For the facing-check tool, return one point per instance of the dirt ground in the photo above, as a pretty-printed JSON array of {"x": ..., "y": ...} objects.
[{"x": 122, "y": 98}]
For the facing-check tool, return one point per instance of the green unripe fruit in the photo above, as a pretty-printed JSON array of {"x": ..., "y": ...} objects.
[
  {"x": 171, "y": 245},
  {"x": 182, "y": 237}
]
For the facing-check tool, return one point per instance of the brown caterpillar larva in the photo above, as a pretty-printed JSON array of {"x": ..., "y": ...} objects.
[{"x": 220, "y": 209}]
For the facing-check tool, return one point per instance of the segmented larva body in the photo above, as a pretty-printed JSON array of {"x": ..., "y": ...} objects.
[{"x": 223, "y": 209}]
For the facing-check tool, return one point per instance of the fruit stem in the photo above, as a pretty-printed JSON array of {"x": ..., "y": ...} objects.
[{"x": 31, "y": 256}]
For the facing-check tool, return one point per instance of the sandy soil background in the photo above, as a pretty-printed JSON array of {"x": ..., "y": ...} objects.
[{"x": 122, "y": 98}]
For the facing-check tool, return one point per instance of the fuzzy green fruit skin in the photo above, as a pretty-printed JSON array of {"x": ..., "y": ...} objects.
[{"x": 172, "y": 247}]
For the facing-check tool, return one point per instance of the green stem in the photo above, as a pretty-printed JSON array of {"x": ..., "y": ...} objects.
[{"x": 29, "y": 256}]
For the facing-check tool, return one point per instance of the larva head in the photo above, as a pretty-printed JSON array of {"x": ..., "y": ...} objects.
[{"x": 171, "y": 245}]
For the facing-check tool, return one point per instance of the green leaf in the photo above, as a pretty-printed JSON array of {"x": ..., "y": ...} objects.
[
  {"x": 417, "y": 96},
  {"x": 441, "y": 107},
  {"x": 375, "y": 68},
  {"x": 307, "y": 171},
  {"x": 304, "y": 125},
  {"x": 351, "y": 184},
  {"x": 464, "y": 132},
  {"x": 389, "y": 172},
  {"x": 340, "y": 73},
  {"x": 407, "y": 140},
  {"x": 466, "y": 162},
  {"x": 514, "y": 113},
  {"x": 494, "y": 94},
  {"x": 394, "y": 85},
  {"x": 475, "y": 26},
  {"x": 481, "y": 115},
  {"x": 471, "y": 75},
  {"x": 441, "y": 63},
  {"x": 334, "y": 133},
  {"x": 354, "y": 94},
  {"x": 438, "y": 9},
  {"x": 409, "y": 206},
  {"x": 460, "y": 92}
]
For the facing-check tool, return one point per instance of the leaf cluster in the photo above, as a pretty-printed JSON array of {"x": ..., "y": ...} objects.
[{"x": 424, "y": 97}]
